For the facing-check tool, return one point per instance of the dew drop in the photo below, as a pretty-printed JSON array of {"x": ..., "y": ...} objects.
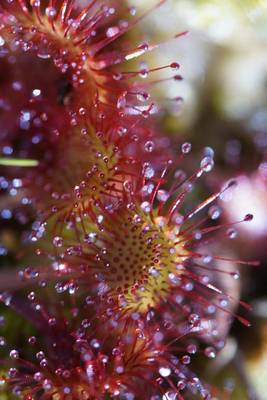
[
  {"x": 235, "y": 275},
  {"x": 117, "y": 76},
  {"x": 90, "y": 237},
  {"x": 89, "y": 300},
  {"x": 146, "y": 206},
  {"x": 14, "y": 354},
  {"x": 32, "y": 340},
  {"x": 6, "y": 298},
  {"x": 36, "y": 92},
  {"x": 149, "y": 146},
  {"x": 206, "y": 259},
  {"x": 85, "y": 323},
  {"x": 137, "y": 219},
  {"x": 52, "y": 321},
  {"x": 181, "y": 385},
  {"x": 143, "y": 96},
  {"x": 210, "y": 352},
  {"x": 82, "y": 111},
  {"x": 121, "y": 102},
  {"x": 143, "y": 73},
  {"x": 214, "y": 212},
  {"x": 162, "y": 195},
  {"x": 207, "y": 163},
  {"x": 198, "y": 235},
  {"x": 132, "y": 10},
  {"x": 149, "y": 172},
  {"x": 43, "y": 363},
  {"x": 153, "y": 271},
  {"x": 116, "y": 351},
  {"x": 188, "y": 287},
  {"x": 40, "y": 355},
  {"x": 16, "y": 390},
  {"x": 208, "y": 151},
  {"x": 128, "y": 186},
  {"x": 31, "y": 296},
  {"x": 180, "y": 175},
  {"x": 2, "y": 341},
  {"x": 186, "y": 360},
  {"x": 38, "y": 376},
  {"x": 47, "y": 385},
  {"x": 186, "y": 147},
  {"x": 170, "y": 395},
  {"x": 112, "y": 31},
  {"x": 224, "y": 302},
  {"x": 194, "y": 319},
  {"x": 12, "y": 372},
  {"x": 164, "y": 371},
  {"x": 191, "y": 348},
  {"x": 95, "y": 343},
  {"x": 100, "y": 219},
  {"x": 121, "y": 130},
  {"x": 51, "y": 12},
  {"x": 17, "y": 86},
  {"x": 66, "y": 390},
  {"x": 148, "y": 189},
  {"x": 231, "y": 233},
  {"x": 58, "y": 241}
]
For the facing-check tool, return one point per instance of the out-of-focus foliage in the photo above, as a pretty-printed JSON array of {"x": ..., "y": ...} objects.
[
  {"x": 224, "y": 66},
  {"x": 223, "y": 59}
]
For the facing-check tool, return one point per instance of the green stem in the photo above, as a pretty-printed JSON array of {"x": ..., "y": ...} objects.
[{"x": 16, "y": 162}]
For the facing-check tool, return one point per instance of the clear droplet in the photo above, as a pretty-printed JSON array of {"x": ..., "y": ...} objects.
[
  {"x": 210, "y": 352},
  {"x": 207, "y": 163},
  {"x": 231, "y": 233},
  {"x": 149, "y": 146},
  {"x": 51, "y": 12},
  {"x": 112, "y": 31},
  {"x": 14, "y": 354},
  {"x": 146, "y": 206},
  {"x": 2, "y": 341},
  {"x": 162, "y": 195},
  {"x": 214, "y": 212},
  {"x": 186, "y": 147},
  {"x": 186, "y": 360},
  {"x": 164, "y": 371},
  {"x": 149, "y": 172},
  {"x": 58, "y": 241}
]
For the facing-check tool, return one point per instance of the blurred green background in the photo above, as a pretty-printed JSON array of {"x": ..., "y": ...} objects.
[{"x": 224, "y": 65}]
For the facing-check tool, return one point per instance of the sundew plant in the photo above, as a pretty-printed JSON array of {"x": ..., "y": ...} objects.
[{"x": 117, "y": 283}]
